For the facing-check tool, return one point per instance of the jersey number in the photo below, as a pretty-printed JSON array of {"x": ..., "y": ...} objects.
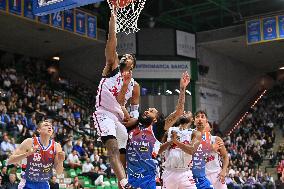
[{"x": 37, "y": 157}]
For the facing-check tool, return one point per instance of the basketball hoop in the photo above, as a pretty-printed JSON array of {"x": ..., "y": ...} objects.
[{"x": 127, "y": 13}]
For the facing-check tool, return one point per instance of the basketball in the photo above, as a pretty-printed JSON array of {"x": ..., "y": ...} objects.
[{"x": 121, "y": 3}]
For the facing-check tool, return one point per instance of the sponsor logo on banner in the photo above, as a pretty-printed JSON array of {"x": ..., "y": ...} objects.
[
  {"x": 185, "y": 43},
  {"x": 28, "y": 9},
  {"x": 160, "y": 69},
  {"x": 56, "y": 19},
  {"x": 269, "y": 28},
  {"x": 253, "y": 31},
  {"x": 15, "y": 6},
  {"x": 2, "y": 4},
  {"x": 69, "y": 20},
  {"x": 80, "y": 22},
  {"x": 281, "y": 26},
  {"x": 92, "y": 26}
]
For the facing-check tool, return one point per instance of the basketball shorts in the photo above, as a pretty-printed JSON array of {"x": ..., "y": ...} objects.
[
  {"x": 178, "y": 179},
  {"x": 214, "y": 180},
  {"x": 24, "y": 184},
  {"x": 107, "y": 124},
  {"x": 203, "y": 183},
  {"x": 144, "y": 182}
]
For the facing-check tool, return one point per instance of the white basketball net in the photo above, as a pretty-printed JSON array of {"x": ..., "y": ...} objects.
[{"x": 127, "y": 17}]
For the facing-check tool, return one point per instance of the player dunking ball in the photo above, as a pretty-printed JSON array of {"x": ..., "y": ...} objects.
[
  {"x": 41, "y": 154},
  {"x": 113, "y": 90}
]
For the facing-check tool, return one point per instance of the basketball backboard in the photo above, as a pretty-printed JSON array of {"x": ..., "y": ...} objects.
[{"x": 43, "y": 7}]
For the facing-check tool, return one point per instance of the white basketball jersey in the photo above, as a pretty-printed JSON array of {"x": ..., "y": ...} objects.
[
  {"x": 108, "y": 90},
  {"x": 175, "y": 158},
  {"x": 213, "y": 163}
]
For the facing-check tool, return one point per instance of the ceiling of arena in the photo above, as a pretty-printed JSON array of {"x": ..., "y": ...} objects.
[
  {"x": 27, "y": 38},
  {"x": 196, "y": 15}
]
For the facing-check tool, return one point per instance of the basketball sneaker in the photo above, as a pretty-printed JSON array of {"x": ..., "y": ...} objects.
[{"x": 128, "y": 186}]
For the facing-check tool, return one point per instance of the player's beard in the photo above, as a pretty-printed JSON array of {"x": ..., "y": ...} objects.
[{"x": 146, "y": 121}]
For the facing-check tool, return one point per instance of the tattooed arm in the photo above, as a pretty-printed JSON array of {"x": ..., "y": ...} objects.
[{"x": 172, "y": 118}]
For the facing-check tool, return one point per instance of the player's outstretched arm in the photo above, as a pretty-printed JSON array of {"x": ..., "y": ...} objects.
[
  {"x": 172, "y": 118},
  {"x": 59, "y": 159},
  {"x": 134, "y": 101},
  {"x": 224, "y": 155},
  {"x": 192, "y": 146},
  {"x": 110, "y": 50},
  {"x": 24, "y": 150}
]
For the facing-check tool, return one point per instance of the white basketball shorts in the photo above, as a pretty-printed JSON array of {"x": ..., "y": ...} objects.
[
  {"x": 107, "y": 124},
  {"x": 178, "y": 179}
]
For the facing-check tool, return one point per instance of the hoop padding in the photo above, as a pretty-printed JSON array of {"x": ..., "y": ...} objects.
[{"x": 127, "y": 17}]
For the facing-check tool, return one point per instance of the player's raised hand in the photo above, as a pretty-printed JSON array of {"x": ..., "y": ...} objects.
[
  {"x": 32, "y": 150},
  {"x": 127, "y": 77},
  {"x": 184, "y": 80}
]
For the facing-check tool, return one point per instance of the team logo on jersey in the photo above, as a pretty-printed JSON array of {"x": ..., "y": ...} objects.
[
  {"x": 143, "y": 149},
  {"x": 50, "y": 152},
  {"x": 209, "y": 158},
  {"x": 114, "y": 91}
]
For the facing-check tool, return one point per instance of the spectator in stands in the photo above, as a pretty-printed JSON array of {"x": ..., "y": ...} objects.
[
  {"x": 73, "y": 160},
  {"x": 238, "y": 178},
  {"x": 7, "y": 83},
  {"x": 12, "y": 184},
  {"x": 102, "y": 165},
  {"x": 76, "y": 184},
  {"x": 1, "y": 183},
  {"x": 231, "y": 183},
  {"x": 53, "y": 184},
  {"x": 79, "y": 149},
  {"x": 32, "y": 123},
  {"x": 95, "y": 157},
  {"x": 98, "y": 176},
  {"x": 12, "y": 128},
  {"x": 5, "y": 118},
  {"x": 268, "y": 181},
  {"x": 4, "y": 175},
  {"x": 87, "y": 166},
  {"x": 68, "y": 146},
  {"x": 6, "y": 146},
  {"x": 279, "y": 170},
  {"x": 62, "y": 113}
]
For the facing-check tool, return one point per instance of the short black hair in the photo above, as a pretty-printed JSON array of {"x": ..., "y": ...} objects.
[
  {"x": 159, "y": 126},
  {"x": 210, "y": 124},
  {"x": 201, "y": 112},
  {"x": 133, "y": 57},
  {"x": 160, "y": 117}
]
